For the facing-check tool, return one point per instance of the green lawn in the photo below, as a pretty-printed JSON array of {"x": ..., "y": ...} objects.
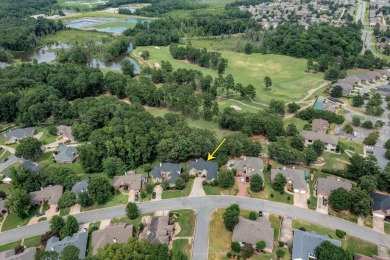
[
  {"x": 219, "y": 238},
  {"x": 186, "y": 221},
  {"x": 4, "y": 154},
  {"x": 115, "y": 200},
  {"x": 275, "y": 223},
  {"x": 344, "y": 215},
  {"x": 313, "y": 200},
  {"x": 299, "y": 123},
  {"x": 47, "y": 138},
  {"x": 170, "y": 194},
  {"x": 13, "y": 221},
  {"x": 269, "y": 194},
  {"x": 5, "y": 187},
  {"x": 32, "y": 241},
  {"x": 183, "y": 246},
  {"x": 212, "y": 190},
  {"x": 387, "y": 227},
  {"x": 64, "y": 212},
  {"x": 9, "y": 246},
  {"x": 290, "y": 82}
]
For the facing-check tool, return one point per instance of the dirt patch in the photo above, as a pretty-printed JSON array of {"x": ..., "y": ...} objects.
[
  {"x": 261, "y": 138},
  {"x": 157, "y": 65}
]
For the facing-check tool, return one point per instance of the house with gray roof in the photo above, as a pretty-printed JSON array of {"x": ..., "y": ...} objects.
[
  {"x": 51, "y": 194},
  {"x": 112, "y": 234},
  {"x": 65, "y": 154},
  {"x": 305, "y": 244},
  {"x": 252, "y": 231},
  {"x": 16, "y": 135},
  {"x": 80, "y": 187},
  {"x": 158, "y": 230},
  {"x": 27, "y": 254},
  {"x": 331, "y": 141},
  {"x": 295, "y": 179},
  {"x": 130, "y": 180},
  {"x": 204, "y": 168},
  {"x": 31, "y": 167},
  {"x": 325, "y": 186},
  {"x": 78, "y": 240},
  {"x": 381, "y": 205},
  {"x": 347, "y": 87},
  {"x": 166, "y": 172},
  {"x": 249, "y": 166},
  {"x": 319, "y": 125}
]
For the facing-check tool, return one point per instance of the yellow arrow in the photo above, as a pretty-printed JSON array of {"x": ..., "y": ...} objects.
[{"x": 211, "y": 156}]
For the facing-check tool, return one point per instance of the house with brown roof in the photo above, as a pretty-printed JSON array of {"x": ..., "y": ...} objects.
[
  {"x": 168, "y": 172},
  {"x": 252, "y": 231},
  {"x": 319, "y": 125},
  {"x": 112, "y": 234},
  {"x": 325, "y": 186},
  {"x": 249, "y": 166},
  {"x": 330, "y": 141},
  {"x": 129, "y": 181},
  {"x": 158, "y": 230},
  {"x": 51, "y": 194},
  {"x": 296, "y": 180}
]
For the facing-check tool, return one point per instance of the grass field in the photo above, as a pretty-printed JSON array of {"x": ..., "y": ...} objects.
[
  {"x": 115, "y": 200},
  {"x": 219, "y": 238},
  {"x": 182, "y": 245},
  {"x": 387, "y": 227},
  {"x": 64, "y": 212},
  {"x": 13, "y": 221},
  {"x": 170, "y": 194},
  {"x": 32, "y": 241},
  {"x": 290, "y": 82},
  {"x": 9, "y": 246},
  {"x": 186, "y": 221}
]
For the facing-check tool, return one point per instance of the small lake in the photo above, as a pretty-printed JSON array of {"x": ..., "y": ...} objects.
[{"x": 48, "y": 54}]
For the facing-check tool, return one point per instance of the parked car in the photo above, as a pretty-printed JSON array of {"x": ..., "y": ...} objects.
[
  {"x": 324, "y": 201},
  {"x": 354, "y": 134},
  {"x": 4, "y": 160},
  {"x": 42, "y": 213},
  {"x": 85, "y": 229},
  {"x": 247, "y": 179},
  {"x": 153, "y": 195},
  {"x": 136, "y": 197},
  {"x": 242, "y": 179},
  {"x": 260, "y": 214},
  {"x": 57, "y": 209}
]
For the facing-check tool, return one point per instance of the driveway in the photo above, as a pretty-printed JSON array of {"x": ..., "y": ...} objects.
[
  {"x": 300, "y": 200},
  {"x": 320, "y": 206},
  {"x": 197, "y": 188},
  {"x": 378, "y": 224},
  {"x": 286, "y": 232},
  {"x": 242, "y": 187},
  {"x": 48, "y": 215},
  {"x": 131, "y": 195},
  {"x": 75, "y": 209},
  {"x": 158, "y": 190}
]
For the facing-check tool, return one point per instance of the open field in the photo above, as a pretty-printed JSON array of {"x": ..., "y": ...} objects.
[{"x": 290, "y": 82}]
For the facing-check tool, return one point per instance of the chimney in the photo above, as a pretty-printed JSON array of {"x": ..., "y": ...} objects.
[
  {"x": 284, "y": 168},
  {"x": 244, "y": 158},
  {"x": 160, "y": 164},
  {"x": 338, "y": 178},
  {"x": 114, "y": 240}
]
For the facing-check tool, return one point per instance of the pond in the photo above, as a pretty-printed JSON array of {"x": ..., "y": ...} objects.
[
  {"x": 88, "y": 22},
  {"x": 46, "y": 54}
]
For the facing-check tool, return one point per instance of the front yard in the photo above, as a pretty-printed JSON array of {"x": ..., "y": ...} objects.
[
  {"x": 186, "y": 221},
  {"x": 171, "y": 194},
  {"x": 114, "y": 200},
  {"x": 13, "y": 221}
]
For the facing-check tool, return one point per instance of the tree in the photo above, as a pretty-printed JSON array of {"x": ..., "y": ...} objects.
[
  {"x": 18, "y": 202},
  {"x": 56, "y": 224},
  {"x": 231, "y": 216},
  {"x": 348, "y": 129},
  {"x": 291, "y": 129},
  {"x": 356, "y": 121},
  {"x": 340, "y": 199},
  {"x": 252, "y": 215},
  {"x": 180, "y": 183},
  {"x": 225, "y": 179},
  {"x": 368, "y": 183},
  {"x": 149, "y": 187},
  {"x": 293, "y": 107},
  {"x": 128, "y": 68},
  {"x": 260, "y": 245},
  {"x": 360, "y": 202},
  {"x": 113, "y": 166},
  {"x": 372, "y": 138},
  {"x": 277, "y": 106},
  {"x": 84, "y": 199},
  {"x": 248, "y": 49},
  {"x": 256, "y": 183},
  {"x": 267, "y": 82},
  {"x": 43, "y": 255},
  {"x": 29, "y": 148},
  {"x": 70, "y": 252},
  {"x": 387, "y": 154},
  {"x": 327, "y": 251},
  {"x": 387, "y": 144},
  {"x": 280, "y": 252},
  {"x": 318, "y": 146},
  {"x": 247, "y": 251},
  {"x": 367, "y": 124},
  {"x": 132, "y": 210},
  {"x": 70, "y": 226},
  {"x": 298, "y": 142},
  {"x": 357, "y": 101},
  {"x": 99, "y": 189},
  {"x": 310, "y": 155},
  {"x": 337, "y": 91},
  {"x": 236, "y": 247},
  {"x": 145, "y": 55},
  {"x": 279, "y": 182},
  {"x": 67, "y": 199}
]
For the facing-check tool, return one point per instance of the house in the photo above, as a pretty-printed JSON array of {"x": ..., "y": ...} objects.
[
  {"x": 296, "y": 179},
  {"x": 3, "y": 209},
  {"x": 80, "y": 187},
  {"x": 78, "y": 240},
  {"x": 203, "y": 168},
  {"x": 65, "y": 131},
  {"x": 325, "y": 186},
  {"x": 158, "y": 230},
  {"x": 65, "y": 154},
  {"x": 365, "y": 78},
  {"x": 51, "y": 194},
  {"x": 305, "y": 243},
  {"x": 110, "y": 235},
  {"x": 346, "y": 87},
  {"x": 130, "y": 181},
  {"x": 252, "y": 231},
  {"x": 248, "y": 166},
  {"x": 319, "y": 125},
  {"x": 330, "y": 141},
  {"x": 384, "y": 91},
  {"x": 381, "y": 205},
  {"x": 27, "y": 165},
  {"x": 27, "y": 254},
  {"x": 16, "y": 135},
  {"x": 166, "y": 172}
]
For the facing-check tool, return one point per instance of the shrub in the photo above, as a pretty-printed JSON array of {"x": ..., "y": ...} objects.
[
  {"x": 340, "y": 233},
  {"x": 288, "y": 198},
  {"x": 229, "y": 255},
  {"x": 280, "y": 253},
  {"x": 247, "y": 251},
  {"x": 236, "y": 247},
  {"x": 272, "y": 195},
  {"x": 252, "y": 215},
  {"x": 204, "y": 183},
  {"x": 302, "y": 229},
  {"x": 281, "y": 244}
]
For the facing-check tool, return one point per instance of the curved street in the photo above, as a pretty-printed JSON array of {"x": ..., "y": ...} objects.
[{"x": 204, "y": 206}]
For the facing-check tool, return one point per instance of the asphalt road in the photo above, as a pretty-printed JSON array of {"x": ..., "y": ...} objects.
[
  {"x": 11, "y": 160},
  {"x": 204, "y": 206}
]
